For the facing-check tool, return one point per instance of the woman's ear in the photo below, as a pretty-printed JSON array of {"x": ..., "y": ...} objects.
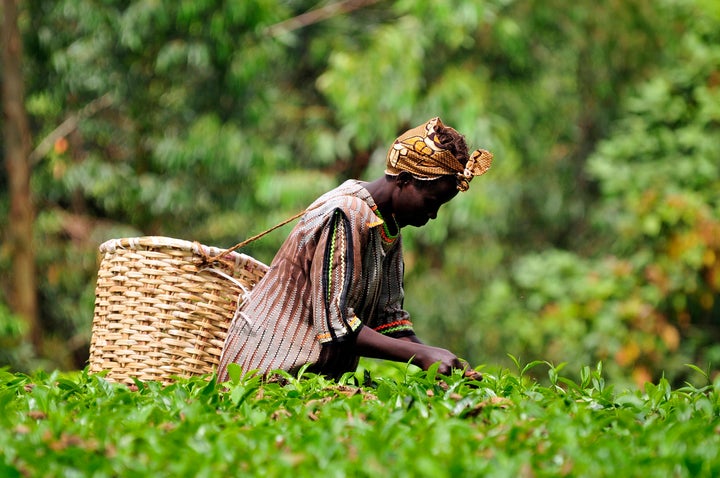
[{"x": 403, "y": 179}]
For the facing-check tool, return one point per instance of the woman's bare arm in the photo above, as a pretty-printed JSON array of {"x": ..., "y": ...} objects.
[{"x": 372, "y": 344}]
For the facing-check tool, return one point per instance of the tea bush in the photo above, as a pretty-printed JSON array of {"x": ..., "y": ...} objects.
[{"x": 386, "y": 420}]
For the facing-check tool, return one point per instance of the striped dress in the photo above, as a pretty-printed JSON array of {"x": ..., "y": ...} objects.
[{"x": 338, "y": 271}]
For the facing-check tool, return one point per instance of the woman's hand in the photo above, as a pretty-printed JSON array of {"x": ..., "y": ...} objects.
[
  {"x": 427, "y": 355},
  {"x": 370, "y": 343}
]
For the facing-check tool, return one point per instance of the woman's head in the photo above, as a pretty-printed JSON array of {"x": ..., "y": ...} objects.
[{"x": 429, "y": 164}]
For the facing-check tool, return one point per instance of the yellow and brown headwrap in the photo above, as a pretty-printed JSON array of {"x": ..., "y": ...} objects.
[{"x": 419, "y": 152}]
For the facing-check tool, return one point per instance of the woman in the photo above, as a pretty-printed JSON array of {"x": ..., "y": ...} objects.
[{"x": 334, "y": 291}]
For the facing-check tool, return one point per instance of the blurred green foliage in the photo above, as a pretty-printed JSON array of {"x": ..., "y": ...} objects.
[
  {"x": 14, "y": 351},
  {"x": 594, "y": 237}
]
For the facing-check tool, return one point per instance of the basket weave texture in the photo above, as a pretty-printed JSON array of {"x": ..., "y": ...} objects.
[{"x": 161, "y": 311}]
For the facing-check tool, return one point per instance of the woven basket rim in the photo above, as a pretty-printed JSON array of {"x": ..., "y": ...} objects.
[{"x": 180, "y": 244}]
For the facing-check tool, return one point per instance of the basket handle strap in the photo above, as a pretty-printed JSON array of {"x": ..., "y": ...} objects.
[
  {"x": 258, "y": 236},
  {"x": 208, "y": 259}
]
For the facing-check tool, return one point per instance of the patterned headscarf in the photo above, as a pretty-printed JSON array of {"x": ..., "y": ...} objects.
[{"x": 419, "y": 152}]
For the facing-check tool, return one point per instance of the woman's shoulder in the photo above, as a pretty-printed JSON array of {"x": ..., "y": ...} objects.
[{"x": 351, "y": 198}]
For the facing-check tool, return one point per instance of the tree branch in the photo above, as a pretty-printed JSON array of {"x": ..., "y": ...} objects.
[
  {"x": 68, "y": 126},
  {"x": 316, "y": 16}
]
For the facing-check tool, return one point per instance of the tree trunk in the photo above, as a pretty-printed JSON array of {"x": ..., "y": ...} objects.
[{"x": 23, "y": 294}]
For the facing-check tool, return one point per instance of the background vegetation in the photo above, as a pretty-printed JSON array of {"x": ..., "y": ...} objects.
[{"x": 595, "y": 237}]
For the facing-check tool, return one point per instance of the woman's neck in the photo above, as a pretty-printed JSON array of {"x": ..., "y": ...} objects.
[{"x": 381, "y": 192}]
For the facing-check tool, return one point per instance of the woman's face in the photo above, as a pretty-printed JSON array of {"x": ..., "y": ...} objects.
[{"x": 418, "y": 201}]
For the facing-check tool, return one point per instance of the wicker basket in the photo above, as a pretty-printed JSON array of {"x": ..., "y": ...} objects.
[{"x": 160, "y": 309}]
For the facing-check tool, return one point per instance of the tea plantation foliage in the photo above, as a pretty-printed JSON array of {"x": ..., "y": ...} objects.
[{"x": 393, "y": 421}]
